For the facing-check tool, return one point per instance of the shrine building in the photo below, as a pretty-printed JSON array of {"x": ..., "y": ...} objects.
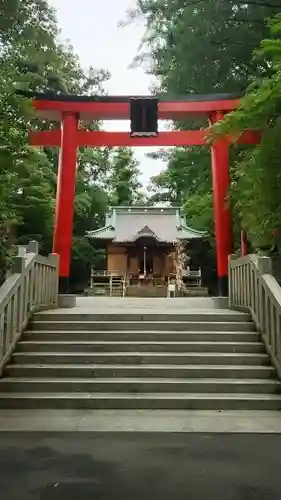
[{"x": 139, "y": 241}]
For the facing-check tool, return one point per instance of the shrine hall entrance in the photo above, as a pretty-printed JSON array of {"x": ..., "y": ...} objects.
[
  {"x": 143, "y": 113},
  {"x": 147, "y": 252},
  {"x": 146, "y": 263}
]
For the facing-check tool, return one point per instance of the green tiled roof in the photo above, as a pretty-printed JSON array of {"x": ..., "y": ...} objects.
[{"x": 127, "y": 224}]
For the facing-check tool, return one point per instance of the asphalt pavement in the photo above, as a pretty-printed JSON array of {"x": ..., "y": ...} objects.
[{"x": 139, "y": 466}]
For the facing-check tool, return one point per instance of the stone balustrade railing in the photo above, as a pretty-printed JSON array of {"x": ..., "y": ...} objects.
[
  {"x": 253, "y": 288},
  {"x": 31, "y": 286}
]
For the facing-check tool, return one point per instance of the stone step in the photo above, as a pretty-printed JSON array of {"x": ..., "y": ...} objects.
[
  {"x": 136, "y": 358},
  {"x": 138, "y": 385},
  {"x": 139, "y": 347},
  {"x": 146, "y": 401},
  {"x": 216, "y": 316},
  {"x": 131, "y": 305},
  {"x": 75, "y": 335},
  {"x": 143, "y": 325},
  {"x": 140, "y": 357},
  {"x": 143, "y": 371}
]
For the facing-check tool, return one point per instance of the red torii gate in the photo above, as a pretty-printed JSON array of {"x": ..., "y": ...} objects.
[{"x": 68, "y": 110}]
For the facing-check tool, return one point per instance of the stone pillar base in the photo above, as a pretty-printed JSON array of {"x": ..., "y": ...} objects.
[{"x": 66, "y": 301}]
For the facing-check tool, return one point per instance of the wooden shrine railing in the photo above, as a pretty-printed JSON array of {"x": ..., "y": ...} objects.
[
  {"x": 253, "y": 288},
  {"x": 31, "y": 286}
]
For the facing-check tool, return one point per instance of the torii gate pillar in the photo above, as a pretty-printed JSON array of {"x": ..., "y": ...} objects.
[
  {"x": 66, "y": 178},
  {"x": 222, "y": 214}
]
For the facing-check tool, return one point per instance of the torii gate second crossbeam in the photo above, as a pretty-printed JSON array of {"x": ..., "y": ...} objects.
[{"x": 69, "y": 110}]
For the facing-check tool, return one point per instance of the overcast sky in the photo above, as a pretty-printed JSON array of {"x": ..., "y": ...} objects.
[{"x": 92, "y": 28}]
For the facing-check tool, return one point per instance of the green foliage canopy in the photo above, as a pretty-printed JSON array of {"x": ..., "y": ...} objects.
[
  {"x": 32, "y": 59},
  {"x": 206, "y": 47}
]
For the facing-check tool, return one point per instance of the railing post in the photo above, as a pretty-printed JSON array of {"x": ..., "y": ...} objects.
[
  {"x": 232, "y": 281},
  {"x": 33, "y": 247},
  {"x": 265, "y": 265},
  {"x": 230, "y": 284},
  {"x": 18, "y": 265},
  {"x": 54, "y": 259},
  {"x": 21, "y": 251},
  {"x": 18, "y": 268},
  {"x": 248, "y": 285}
]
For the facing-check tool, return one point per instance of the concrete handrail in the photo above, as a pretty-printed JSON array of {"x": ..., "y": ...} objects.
[
  {"x": 32, "y": 286},
  {"x": 252, "y": 287}
]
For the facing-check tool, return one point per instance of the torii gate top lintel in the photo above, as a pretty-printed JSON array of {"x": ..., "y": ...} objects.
[{"x": 51, "y": 106}]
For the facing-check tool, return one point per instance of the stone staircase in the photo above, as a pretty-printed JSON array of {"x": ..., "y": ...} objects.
[{"x": 192, "y": 360}]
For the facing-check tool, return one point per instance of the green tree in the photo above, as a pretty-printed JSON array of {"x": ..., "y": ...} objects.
[
  {"x": 124, "y": 184},
  {"x": 24, "y": 28},
  {"x": 188, "y": 173},
  {"x": 204, "y": 46},
  {"x": 256, "y": 175},
  {"x": 200, "y": 47},
  {"x": 31, "y": 59}
]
